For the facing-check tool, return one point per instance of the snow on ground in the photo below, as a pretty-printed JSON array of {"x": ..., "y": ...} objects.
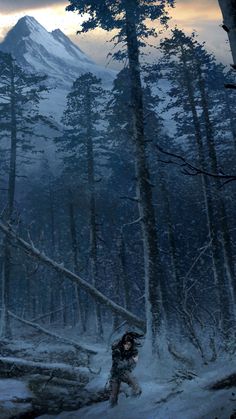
[
  {"x": 188, "y": 402},
  {"x": 10, "y": 389},
  {"x": 162, "y": 399},
  {"x": 13, "y": 398}
]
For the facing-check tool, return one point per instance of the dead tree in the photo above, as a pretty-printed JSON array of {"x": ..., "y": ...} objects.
[{"x": 100, "y": 298}]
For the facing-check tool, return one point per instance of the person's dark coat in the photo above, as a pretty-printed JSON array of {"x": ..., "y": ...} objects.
[{"x": 122, "y": 360}]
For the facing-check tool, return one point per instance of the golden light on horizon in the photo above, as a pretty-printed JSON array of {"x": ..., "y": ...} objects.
[
  {"x": 198, "y": 12},
  {"x": 52, "y": 17},
  {"x": 204, "y": 16}
]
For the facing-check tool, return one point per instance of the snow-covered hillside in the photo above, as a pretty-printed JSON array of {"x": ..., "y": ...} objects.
[
  {"x": 53, "y": 54},
  {"x": 162, "y": 396}
]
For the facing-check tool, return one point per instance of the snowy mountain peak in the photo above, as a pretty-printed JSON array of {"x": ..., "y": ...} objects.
[
  {"x": 30, "y": 22},
  {"x": 22, "y": 29},
  {"x": 32, "y": 45},
  {"x": 51, "y": 53},
  {"x": 58, "y": 33},
  {"x": 61, "y": 37}
]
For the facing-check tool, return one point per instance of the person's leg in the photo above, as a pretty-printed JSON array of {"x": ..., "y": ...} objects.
[
  {"x": 115, "y": 388},
  {"x": 133, "y": 383}
]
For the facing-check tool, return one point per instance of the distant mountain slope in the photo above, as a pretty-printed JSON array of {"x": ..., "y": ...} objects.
[{"x": 54, "y": 54}]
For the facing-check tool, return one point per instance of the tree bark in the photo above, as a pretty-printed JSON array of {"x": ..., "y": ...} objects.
[
  {"x": 172, "y": 243},
  {"x": 53, "y": 244},
  {"x": 174, "y": 285},
  {"x": 218, "y": 269},
  {"x": 75, "y": 250},
  {"x": 152, "y": 269},
  {"x": 231, "y": 118},
  {"x": 6, "y": 274},
  {"x": 92, "y": 210},
  {"x": 220, "y": 214},
  {"x": 123, "y": 271},
  {"x": 228, "y": 9}
]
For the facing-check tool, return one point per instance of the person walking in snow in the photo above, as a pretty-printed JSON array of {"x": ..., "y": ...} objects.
[{"x": 124, "y": 360}]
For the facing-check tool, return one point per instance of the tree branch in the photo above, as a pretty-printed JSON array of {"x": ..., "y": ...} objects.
[
  {"x": 192, "y": 170},
  {"x": 32, "y": 251}
]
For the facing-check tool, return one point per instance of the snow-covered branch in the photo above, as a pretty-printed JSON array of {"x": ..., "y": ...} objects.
[{"x": 32, "y": 251}]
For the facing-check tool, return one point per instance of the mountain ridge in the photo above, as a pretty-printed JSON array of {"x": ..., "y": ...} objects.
[{"x": 52, "y": 53}]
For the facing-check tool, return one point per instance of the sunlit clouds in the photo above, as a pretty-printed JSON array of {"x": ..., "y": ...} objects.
[
  {"x": 51, "y": 17},
  {"x": 202, "y": 15}
]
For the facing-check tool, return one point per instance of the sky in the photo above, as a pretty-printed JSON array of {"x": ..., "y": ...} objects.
[{"x": 204, "y": 16}]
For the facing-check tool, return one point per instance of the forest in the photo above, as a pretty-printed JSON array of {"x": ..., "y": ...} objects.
[{"x": 126, "y": 220}]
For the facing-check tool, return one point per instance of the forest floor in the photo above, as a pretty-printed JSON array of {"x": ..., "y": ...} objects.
[
  {"x": 166, "y": 393},
  {"x": 161, "y": 397}
]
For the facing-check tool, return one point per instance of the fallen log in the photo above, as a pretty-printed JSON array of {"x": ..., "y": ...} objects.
[
  {"x": 226, "y": 382},
  {"x": 46, "y": 380},
  {"x": 32, "y": 251},
  {"x": 53, "y": 335},
  {"x": 51, "y": 399},
  {"x": 15, "y": 367}
]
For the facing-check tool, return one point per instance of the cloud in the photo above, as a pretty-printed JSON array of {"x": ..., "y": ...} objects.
[
  {"x": 189, "y": 11},
  {"x": 202, "y": 15},
  {"x": 203, "y": 2},
  {"x": 12, "y": 6}
]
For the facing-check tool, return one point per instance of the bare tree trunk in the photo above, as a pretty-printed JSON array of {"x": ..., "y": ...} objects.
[
  {"x": 5, "y": 321},
  {"x": 228, "y": 9},
  {"x": 220, "y": 213},
  {"x": 218, "y": 269},
  {"x": 173, "y": 289},
  {"x": 172, "y": 243},
  {"x": 116, "y": 296},
  {"x": 123, "y": 271},
  {"x": 152, "y": 267},
  {"x": 52, "y": 225},
  {"x": 75, "y": 249},
  {"x": 231, "y": 118},
  {"x": 92, "y": 212}
]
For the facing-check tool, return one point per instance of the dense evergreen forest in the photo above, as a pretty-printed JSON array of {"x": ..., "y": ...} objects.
[{"x": 131, "y": 223}]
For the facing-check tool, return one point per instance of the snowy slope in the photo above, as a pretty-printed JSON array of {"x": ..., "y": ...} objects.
[
  {"x": 53, "y": 54},
  {"x": 162, "y": 399}
]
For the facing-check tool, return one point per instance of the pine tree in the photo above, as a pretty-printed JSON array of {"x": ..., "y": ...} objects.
[
  {"x": 80, "y": 145},
  {"x": 129, "y": 16},
  {"x": 192, "y": 87},
  {"x": 20, "y": 94},
  {"x": 119, "y": 136}
]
